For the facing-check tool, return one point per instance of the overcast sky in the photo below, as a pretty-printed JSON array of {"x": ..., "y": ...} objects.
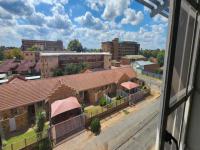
[{"x": 90, "y": 21}]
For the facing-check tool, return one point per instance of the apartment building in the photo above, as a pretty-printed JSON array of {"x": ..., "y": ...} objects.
[
  {"x": 50, "y": 61},
  {"x": 119, "y": 49},
  {"x": 32, "y": 56},
  {"x": 42, "y": 45}
]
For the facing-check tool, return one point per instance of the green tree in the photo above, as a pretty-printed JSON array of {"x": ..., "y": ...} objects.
[
  {"x": 75, "y": 68},
  {"x": 14, "y": 53},
  {"x": 58, "y": 72},
  {"x": 1, "y": 54},
  {"x": 33, "y": 48},
  {"x": 75, "y": 45},
  {"x": 161, "y": 57},
  {"x": 40, "y": 121}
]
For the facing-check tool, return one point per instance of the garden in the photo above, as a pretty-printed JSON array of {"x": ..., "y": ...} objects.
[
  {"x": 31, "y": 136},
  {"x": 103, "y": 105}
]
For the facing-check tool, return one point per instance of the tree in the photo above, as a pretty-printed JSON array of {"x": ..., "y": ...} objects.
[
  {"x": 75, "y": 45},
  {"x": 58, "y": 72},
  {"x": 75, "y": 68},
  {"x": 14, "y": 53},
  {"x": 1, "y": 54},
  {"x": 40, "y": 121},
  {"x": 160, "y": 57},
  {"x": 33, "y": 48}
]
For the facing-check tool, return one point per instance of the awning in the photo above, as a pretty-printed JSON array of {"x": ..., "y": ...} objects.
[
  {"x": 64, "y": 105},
  {"x": 129, "y": 85}
]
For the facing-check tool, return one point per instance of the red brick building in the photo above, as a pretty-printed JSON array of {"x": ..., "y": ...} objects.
[
  {"x": 21, "y": 99},
  {"x": 120, "y": 48}
]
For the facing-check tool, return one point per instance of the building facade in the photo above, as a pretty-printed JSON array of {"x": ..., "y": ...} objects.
[
  {"x": 19, "y": 105},
  {"x": 42, "y": 45},
  {"x": 32, "y": 56},
  {"x": 119, "y": 49},
  {"x": 51, "y": 61}
]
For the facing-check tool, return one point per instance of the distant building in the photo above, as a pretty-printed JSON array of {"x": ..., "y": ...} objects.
[
  {"x": 51, "y": 61},
  {"x": 128, "y": 59},
  {"x": 22, "y": 67},
  {"x": 146, "y": 66},
  {"x": 42, "y": 45},
  {"x": 119, "y": 49},
  {"x": 32, "y": 56}
]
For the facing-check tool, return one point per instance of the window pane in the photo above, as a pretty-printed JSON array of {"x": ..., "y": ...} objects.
[
  {"x": 174, "y": 123},
  {"x": 187, "y": 53},
  {"x": 179, "y": 52}
]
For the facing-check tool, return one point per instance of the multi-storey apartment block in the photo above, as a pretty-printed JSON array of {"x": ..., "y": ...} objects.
[
  {"x": 120, "y": 48},
  {"x": 51, "y": 61},
  {"x": 42, "y": 45}
]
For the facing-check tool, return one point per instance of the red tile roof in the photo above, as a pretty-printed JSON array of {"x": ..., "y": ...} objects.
[
  {"x": 129, "y": 85},
  {"x": 64, "y": 105},
  {"x": 24, "y": 66},
  {"x": 8, "y": 65},
  {"x": 23, "y": 93}
]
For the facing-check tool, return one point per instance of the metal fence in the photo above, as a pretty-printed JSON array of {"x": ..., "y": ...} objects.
[
  {"x": 64, "y": 128},
  {"x": 106, "y": 108},
  {"x": 26, "y": 141},
  {"x": 154, "y": 75}
]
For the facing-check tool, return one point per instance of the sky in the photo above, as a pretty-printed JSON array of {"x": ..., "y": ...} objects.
[{"x": 89, "y": 21}]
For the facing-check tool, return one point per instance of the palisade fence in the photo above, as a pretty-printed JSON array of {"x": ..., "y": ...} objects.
[
  {"x": 107, "y": 109},
  {"x": 67, "y": 127},
  {"x": 117, "y": 104},
  {"x": 155, "y": 75},
  {"x": 26, "y": 141}
]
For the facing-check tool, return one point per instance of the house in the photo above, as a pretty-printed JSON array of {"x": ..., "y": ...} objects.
[
  {"x": 146, "y": 66},
  {"x": 23, "y": 67},
  {"x": 20, "y": 99},
  {"x": 128, "y": 59}
]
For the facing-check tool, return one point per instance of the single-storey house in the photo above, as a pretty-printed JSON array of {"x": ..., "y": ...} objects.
[
  {"x": 146, "y": 66},
  {"x": 19, "y": 100},
  {"x": 128, "y": 59}
]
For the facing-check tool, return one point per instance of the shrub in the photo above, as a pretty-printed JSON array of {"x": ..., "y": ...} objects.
[
  {"x": 4, "y": 143},
  {"x": 118, "y": 97},
  {"x": 95, "y": 126},
  {"x": 102, "y": 101},
  {"x": 45, "y": 144},
  {"x": 40, "y": 121}
]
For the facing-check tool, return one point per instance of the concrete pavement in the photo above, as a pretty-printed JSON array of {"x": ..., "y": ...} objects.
[{"x": 121, "y": 132}]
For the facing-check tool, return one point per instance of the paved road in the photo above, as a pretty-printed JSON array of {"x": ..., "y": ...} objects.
[
  {"x": 144, "y": 139},
  {"x": 117, "y": 135}
]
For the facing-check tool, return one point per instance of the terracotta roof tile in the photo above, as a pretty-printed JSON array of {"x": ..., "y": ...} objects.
[{"x": 24, "y": 93}]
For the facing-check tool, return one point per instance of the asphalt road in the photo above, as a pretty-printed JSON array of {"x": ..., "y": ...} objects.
[{"x": 137, "y": 128}]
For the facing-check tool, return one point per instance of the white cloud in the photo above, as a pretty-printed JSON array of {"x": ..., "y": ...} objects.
[
  {"x": 4, "y": 14},
  {"x": 95, "y": 4},
  {"x": 17, "y": 7},
  {"x": 114, "y": 8},
  {"x": 88, "y": 20},
  {"x": 51, "y": 2},
  {"x": 158, "y": 18},
  {"x": 132, "y": 17},
  {"x": 58, "y": 9},
  {"x": 59, "y": 21},
  {"x": 147, "y": 10}
]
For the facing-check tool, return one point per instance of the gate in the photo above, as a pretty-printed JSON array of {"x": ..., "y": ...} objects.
[
  {"x": 136, "y": 97},
  {"x": 66, "y": 128}
]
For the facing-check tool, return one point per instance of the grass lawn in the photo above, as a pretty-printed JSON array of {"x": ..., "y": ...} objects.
[
  {"x": 18, "y": 142},
  {"x": 94, "y": 110}
]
